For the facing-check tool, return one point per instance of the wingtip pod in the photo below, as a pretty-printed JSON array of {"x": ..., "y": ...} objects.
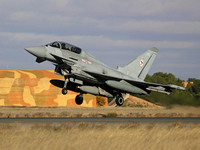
[{"x": 154, "y": 49}]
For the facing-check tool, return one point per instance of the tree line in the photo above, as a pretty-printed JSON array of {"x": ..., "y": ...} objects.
[{"x": 189, "y": 97}]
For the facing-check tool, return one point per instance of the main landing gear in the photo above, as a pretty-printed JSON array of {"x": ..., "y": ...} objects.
[
  {"x": 119, "y": 99},
  {"x": 79, "y": 99}
]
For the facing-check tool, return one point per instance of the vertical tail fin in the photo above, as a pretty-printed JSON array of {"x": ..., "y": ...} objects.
[{"x": 140, "y": 66}]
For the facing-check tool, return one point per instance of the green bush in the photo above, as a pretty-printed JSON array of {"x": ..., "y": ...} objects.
[{"x": 190, "y": 97}]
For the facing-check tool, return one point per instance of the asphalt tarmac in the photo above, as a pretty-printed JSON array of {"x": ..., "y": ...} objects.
[{"x": 119, "y": 120}]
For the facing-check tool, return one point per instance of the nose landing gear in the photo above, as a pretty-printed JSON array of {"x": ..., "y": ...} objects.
[
  {"x": 64, "y": 90},
  {"x": 78, "y": 99}
]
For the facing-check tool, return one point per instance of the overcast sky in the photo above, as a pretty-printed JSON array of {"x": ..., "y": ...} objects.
[{"x": 114, "y": 31}]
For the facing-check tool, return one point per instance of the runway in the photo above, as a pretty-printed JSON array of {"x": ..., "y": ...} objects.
[{"x": 119, "y": 120}]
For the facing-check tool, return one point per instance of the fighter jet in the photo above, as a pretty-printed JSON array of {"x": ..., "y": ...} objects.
[{"x": 83, "y": 73}]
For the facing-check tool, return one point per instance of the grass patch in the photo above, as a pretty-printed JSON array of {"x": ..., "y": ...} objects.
[
  {"x": 99, "y": 136},
  {"x": 112, "y": 114}
]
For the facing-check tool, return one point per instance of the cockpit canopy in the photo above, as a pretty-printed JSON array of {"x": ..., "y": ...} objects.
[{"x": 65, "y": 46}]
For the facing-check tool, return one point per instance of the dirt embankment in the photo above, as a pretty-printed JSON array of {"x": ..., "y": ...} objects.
[
  {"x": 176, "y": 111},
  {"x": 132, "y": 101},
  {"x": 136, "y": 108}
]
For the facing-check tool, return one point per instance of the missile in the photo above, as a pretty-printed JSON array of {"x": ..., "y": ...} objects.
[
  {"x": 176, "y": 87},
  {"x": 165, "y": 90},
  {"x": 95, "y": 91},
  {"x": 158, "y": 89},
  {"x": 125, "y": 86}
]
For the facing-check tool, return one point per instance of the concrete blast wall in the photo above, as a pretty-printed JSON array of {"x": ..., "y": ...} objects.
[{"x": 32, "y": 88}]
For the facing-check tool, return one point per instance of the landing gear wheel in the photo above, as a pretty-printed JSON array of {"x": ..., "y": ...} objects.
[
  {"x": 64, "y": 91},
  {"x": 79, "y": 99},
  {"x": 119, "y": 100}
]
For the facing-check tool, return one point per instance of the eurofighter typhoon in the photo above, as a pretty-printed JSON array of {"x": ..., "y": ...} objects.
[{"x": 84, "y": 73}]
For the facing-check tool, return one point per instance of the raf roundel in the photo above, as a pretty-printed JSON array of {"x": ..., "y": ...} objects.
[
  {"x": 83, "y": 60},
  {"x": 141, "y": 62},
  {"x": 89, "y": 62}
]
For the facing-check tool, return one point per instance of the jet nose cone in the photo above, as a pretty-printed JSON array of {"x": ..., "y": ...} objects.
[{"x": 38, "y": 51}]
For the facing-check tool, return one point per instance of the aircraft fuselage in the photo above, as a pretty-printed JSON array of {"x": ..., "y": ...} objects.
[{"x": 85, "y": 74}]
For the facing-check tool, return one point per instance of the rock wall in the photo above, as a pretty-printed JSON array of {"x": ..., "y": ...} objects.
[{"x": 32, "y": 88}]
